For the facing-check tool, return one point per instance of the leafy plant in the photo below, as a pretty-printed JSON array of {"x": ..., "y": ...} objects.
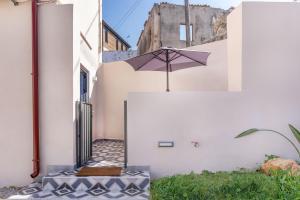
[{"x": 295, "y": 132}]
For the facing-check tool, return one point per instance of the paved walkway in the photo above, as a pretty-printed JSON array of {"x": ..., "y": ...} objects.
[{"x": 107, "y": 153}]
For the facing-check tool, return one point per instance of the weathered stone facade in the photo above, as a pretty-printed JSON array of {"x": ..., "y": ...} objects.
[{"x": 162, "y": 26}]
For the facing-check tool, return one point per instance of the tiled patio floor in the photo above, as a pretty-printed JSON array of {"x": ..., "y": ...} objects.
[{"x": 105, "y": 153}]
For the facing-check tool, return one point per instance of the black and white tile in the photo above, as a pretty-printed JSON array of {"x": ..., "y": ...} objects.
[
  {"x": 107, "y": 153},
  {"x": 66, "y": 185}
]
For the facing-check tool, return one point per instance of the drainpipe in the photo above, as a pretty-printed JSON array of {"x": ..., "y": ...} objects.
[{"x": 35, "y": 90}]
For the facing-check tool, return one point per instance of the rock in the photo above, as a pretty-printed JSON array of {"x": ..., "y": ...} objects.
[{"x": 281, "y": 164}]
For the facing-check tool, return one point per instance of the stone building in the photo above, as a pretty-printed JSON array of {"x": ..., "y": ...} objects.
[{"x": 165, "y": 26}]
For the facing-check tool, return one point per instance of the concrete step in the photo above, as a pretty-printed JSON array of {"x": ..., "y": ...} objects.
[{"x": 130, "y": 185}]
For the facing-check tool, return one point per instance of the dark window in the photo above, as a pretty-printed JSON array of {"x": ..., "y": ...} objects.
[
  {"x": 117, "y": 44},
  {"x": 106, "y": 35},
  {"x": 122, "y": 47},
  {"x": 84, "y": 88}
]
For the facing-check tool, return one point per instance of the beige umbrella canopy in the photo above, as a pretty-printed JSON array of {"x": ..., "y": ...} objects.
[{"x": 168, "y": 60}]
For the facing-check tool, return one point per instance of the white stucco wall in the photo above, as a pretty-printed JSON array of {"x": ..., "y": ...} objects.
[
  {"x": 55, "y": 75},
  {"x": 55, "y": 79},
  {"x": 86, "y": 21},
  {"x": 15, "y": 81},
  {"x": 61, "y": 51},
  {"x": 117, "y": 79},
  {"x": 234, "y": 49},
  {"x": 269, "y": 99}
]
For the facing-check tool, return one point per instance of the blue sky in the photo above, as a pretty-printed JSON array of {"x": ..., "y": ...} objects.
[{"x": 130, "y": 29}]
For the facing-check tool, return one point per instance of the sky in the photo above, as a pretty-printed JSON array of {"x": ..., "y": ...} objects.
[{"x": 127, "y": 17}]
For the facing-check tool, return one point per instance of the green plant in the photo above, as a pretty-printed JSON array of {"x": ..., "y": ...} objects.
[
  {"x": 288, "y": 185},
  {"x": 295, "y": 132},
  {"x": 237, "y": 185}
]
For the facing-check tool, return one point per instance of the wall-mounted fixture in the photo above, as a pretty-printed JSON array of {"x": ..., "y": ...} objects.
[
  {"x": 15, "y": 2},
  {"x": 165, "y": 144},
  {"x": 196, "y": 144}
]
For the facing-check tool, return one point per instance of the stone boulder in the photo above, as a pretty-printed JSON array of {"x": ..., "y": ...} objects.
[{"x": 281, "y": 164}]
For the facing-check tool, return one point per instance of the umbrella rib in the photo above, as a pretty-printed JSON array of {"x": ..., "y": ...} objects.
[
  {"x": 148, "y": 60},
  {"x": 177, "y": 56},
  {"x": 157, "y": 57},
  {"x": 143, "y": 64},
  {"x": 191, "y": 58},
  {"x": 173, "y": 55}
]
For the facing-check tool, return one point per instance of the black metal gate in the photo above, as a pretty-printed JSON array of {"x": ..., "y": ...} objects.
[
  {"x": 83, "y": 133},
  {"x": 125, "y": 135}
]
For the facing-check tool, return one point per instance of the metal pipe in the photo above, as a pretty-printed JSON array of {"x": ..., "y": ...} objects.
[
  {"x": 167, "y": 65},
  {"x": 35, "y": 90}
]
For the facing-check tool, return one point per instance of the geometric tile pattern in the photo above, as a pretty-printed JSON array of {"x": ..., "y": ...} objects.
[
  {"x": 64, "y": 189},
  {"x": 65, "y": 185},
  {"x": 107, "y": 153},
  {"x": 128, "y": 180},
  {"x": 130, "y": 185},
  {"x": 97, "y": 190}
]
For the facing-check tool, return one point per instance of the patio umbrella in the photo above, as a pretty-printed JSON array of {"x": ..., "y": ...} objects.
[{"x": 168, "y": 60}]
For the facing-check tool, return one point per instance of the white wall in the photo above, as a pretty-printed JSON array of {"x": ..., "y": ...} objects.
[
  {"x": 15, "y": 90},
  {"x": 269, "y": 99},
  {"x": 234, "y": 49},
  {"x": 56, "y": 60},
  {"x": 86, "y": 21},
  {"x": 61, "y": 51},
  {"x": 118, "y": 78},
  {"x": 67, "y": 52},
  {"x": 55, "y": 77}
]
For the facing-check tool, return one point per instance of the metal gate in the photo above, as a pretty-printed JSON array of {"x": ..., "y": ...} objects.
[
  {"x": 125, "y": 135},
  {"x": 83, "y": 133}
]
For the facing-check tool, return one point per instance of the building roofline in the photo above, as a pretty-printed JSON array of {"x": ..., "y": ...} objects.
[
  {"x": 106, "y": 25},
  {"x": 146, "y": 21}
]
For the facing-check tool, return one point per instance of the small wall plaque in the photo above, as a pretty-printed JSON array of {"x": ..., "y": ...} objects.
[{"x": 165, "y": 144}]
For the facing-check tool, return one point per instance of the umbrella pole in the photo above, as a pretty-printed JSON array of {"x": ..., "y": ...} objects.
[
  {"x": 168, "y": 89},
  {"x": 167, "y": 62}
]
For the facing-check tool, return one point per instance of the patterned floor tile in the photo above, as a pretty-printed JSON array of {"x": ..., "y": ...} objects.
[
  {"x": 133, "y": 190},
  {"x": 98, "y": 190},
  {"x": 105, "y": 153},
  {"x": 64, "y": 189}
]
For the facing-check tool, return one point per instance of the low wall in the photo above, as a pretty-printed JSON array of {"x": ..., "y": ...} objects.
[{"x": 114, "y": 56}]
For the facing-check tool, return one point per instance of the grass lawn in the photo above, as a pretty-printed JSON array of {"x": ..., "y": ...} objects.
[{"x": 227, "y": 185}]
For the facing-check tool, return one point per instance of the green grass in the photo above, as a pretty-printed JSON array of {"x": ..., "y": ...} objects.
[{"x": 227, "y": 185}]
